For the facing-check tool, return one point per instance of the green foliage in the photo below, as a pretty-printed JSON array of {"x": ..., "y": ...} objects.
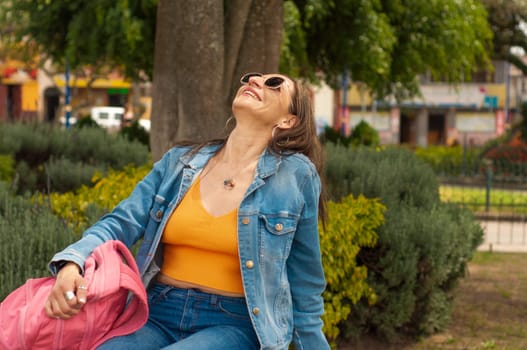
[
  {"x": 508, "y": 160},
  {"x": 96, "y": 33},
  {"x": 361, "y": 135},
  {"x": 6, "y": 167},
  {"x": 503, "y": 203},
  {"x": 293, "y": 54},
  {"x": 86, "y": 122},
  {"x": 81, "y": 208},
  {"x": 386, "y": 44},
  {"x": 423, "y": 245},
  {"x": 452, "y": 161},
  {"x": 381, "y": 174},
  {"x": 522, "y": 125},
  {"x": 29, "y": 236},
  {"x": 49, "y": 158},
  {"x": 351, "y": 225},
  {"x": 507, "y": 19},
  {"x": 135, "y": 132},
  {"x": 31, "y": 233},
  {"x": 64, "y": 174},
  {"x": 335, "y": 137},
  {"x": 364, "y": 134}
]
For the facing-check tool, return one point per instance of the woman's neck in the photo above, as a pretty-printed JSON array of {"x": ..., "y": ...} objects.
[{"x": 243, "y": 148}]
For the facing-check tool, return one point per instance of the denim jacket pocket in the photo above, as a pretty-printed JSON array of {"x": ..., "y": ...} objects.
[
  {"x": 279, "y": 224},
  {"x": 276, "y": 236}
]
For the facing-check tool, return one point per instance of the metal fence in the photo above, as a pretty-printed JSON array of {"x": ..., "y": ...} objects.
[{"x": 498, "y": 198}]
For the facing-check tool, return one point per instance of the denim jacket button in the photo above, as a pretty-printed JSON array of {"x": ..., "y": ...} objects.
[
  {"x": 245, "y": 221},
  {"x": 249, "y": 264},
  {"x": 159, "y": 214},
  {"x": 256, "y": 311},
  {"x": 278, "y": 227}
]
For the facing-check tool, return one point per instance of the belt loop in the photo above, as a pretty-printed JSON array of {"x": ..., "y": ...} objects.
[{"x": 213, "y": 299}]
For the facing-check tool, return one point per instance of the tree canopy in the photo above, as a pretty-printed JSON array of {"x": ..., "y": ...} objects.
[
  {"x": 382, "y": 43},
  {"x": 385, "y": 44},
  {"x": 508, "y": 20},
  {"x": 98, "y": 33}
]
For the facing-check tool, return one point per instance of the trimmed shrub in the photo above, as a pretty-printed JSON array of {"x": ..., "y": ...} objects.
[
  {"x": 64, "y": 174},
  {"x": 451, "y": 161},
  {"x": 395, "y": 175},
  {"x": 49, "y": 158},
  {"x": 423, "y": 246},
  {"x": 364, "y": 134},
  {"x": 88, "y": 203},
  {"x": 86, "y": 122},
  {"x": 333, "y": 136},
  {"x": 135, "y": 132},
  {"x": 351, "y": 225},
  {"x": 29, "y": 236},
  {"x": 6, "y": 167}
]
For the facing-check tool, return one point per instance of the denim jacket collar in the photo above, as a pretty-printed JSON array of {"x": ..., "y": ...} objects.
[{"x": 268, "y": 162}]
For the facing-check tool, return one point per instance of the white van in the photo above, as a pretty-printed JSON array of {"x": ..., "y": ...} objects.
[{"x": 108, "y": 117}]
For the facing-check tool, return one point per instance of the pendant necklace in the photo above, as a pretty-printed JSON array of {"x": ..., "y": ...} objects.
[{"x": 229, "y": 183}]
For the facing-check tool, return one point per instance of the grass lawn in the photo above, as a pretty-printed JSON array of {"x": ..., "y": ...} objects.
[
  {"x": 503, "y": 202},
  {"x": 489, "y": 311}
]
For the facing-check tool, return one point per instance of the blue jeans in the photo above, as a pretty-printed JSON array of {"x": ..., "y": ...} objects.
[{"x": 188, "y": 319}]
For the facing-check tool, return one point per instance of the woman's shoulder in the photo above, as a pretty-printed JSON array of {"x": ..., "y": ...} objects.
[{"x": 299, "y": 162}]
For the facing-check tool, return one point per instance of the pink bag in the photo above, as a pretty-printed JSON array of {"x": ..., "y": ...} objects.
[{"x": 25, "y": 325}]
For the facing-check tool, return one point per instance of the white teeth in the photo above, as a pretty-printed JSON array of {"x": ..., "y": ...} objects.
[{"x": 251, "y": 94}]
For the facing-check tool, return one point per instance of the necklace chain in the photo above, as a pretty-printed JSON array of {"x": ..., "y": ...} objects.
[{"x": 228, "y": 182}]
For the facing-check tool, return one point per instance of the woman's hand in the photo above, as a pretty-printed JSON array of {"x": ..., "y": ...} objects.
[{"x": 68, "y": 295}]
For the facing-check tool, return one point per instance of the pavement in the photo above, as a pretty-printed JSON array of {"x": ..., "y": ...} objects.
[{"x": 504, "y": 236}]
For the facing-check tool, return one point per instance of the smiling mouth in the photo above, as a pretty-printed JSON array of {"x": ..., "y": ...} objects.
[{"x": 251, "y": 94}]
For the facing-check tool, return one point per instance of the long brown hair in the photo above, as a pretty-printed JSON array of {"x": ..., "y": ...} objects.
[{"x": 303, "y": 137}]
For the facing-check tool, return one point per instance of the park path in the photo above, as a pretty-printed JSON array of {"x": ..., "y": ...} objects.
[{"x": 504, "y": 236}]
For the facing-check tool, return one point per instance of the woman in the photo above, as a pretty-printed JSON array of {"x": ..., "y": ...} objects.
[{"x": 230, "y": 253}]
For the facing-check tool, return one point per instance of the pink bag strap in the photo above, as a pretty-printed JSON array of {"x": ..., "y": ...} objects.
[{"x": 135, "y": 314}]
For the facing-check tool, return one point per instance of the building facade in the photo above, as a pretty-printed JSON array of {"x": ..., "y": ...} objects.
[{"x": 468, "y": 113}]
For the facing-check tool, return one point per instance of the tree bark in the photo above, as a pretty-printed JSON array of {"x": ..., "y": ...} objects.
[{"x": 201, "y": 50}]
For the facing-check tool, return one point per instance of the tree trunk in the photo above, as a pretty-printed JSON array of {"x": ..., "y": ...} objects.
[{"x": 202, "y": 48}]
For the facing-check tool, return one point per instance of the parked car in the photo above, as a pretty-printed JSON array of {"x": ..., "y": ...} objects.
[{"x": 108, "y": 117}]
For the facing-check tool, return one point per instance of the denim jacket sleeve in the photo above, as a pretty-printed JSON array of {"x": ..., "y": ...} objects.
[
  {"x": 127, "y": 220},
  {"x": 306, "y": 275}
]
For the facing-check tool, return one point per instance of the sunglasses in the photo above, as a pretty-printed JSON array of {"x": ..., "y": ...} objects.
[{"x": 271, "y": 83}]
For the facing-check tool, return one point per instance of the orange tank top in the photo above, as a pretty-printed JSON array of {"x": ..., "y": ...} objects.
[{"x": 201, "y": 248}]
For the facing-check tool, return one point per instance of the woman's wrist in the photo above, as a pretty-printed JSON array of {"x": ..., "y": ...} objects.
[{"x": 61, "y": 265}]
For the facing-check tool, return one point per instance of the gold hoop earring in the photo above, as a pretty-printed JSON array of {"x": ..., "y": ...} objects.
[
  {"x": 273, "y": 132},
  {"x": 231, "y": 118}
]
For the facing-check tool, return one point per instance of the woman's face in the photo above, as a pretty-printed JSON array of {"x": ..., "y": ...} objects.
[{"x": 263, "y": 98}]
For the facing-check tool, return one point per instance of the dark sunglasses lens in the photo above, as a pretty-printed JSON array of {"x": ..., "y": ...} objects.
[
  {"x": 274, "y": 82},
  {"x": 246, "y": 77}
]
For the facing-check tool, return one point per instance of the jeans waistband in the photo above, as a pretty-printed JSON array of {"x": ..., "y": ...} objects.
[{"x": 197, "y": 293}]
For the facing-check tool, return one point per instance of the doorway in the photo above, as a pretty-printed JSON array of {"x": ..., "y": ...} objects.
[
  {"x": 51, "y": 103},
  {"x": 407, "y": 133},
  {"x": 436, "y": 129}
]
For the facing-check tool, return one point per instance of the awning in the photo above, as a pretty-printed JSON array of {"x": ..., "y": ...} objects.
[{"x": 96, "y": 84}]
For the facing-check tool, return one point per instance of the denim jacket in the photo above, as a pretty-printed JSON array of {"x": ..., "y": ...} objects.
[{"x": 278, "y": 240}]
